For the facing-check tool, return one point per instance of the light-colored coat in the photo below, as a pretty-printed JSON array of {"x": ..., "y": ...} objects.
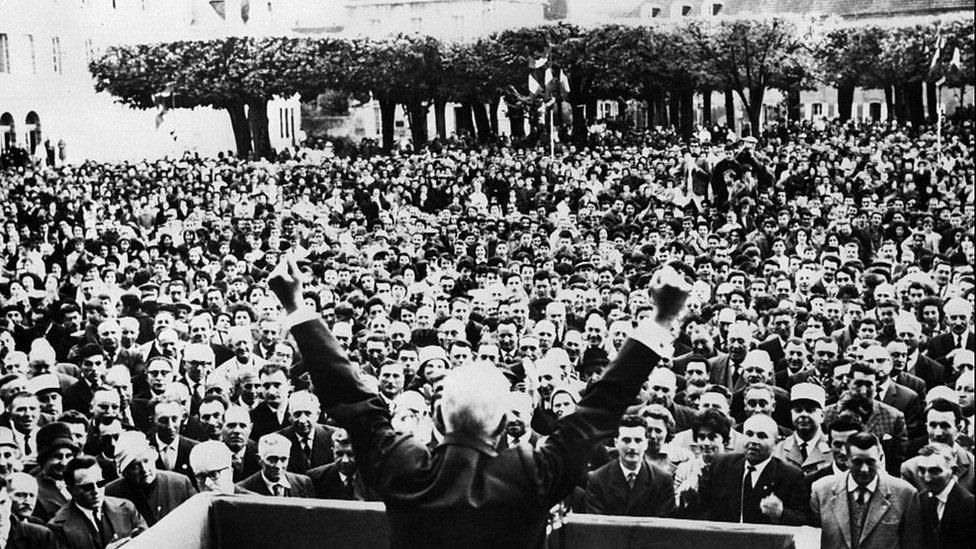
[
  {"x": 885, "y": 521},
  {"x": 818, "y": 456}
]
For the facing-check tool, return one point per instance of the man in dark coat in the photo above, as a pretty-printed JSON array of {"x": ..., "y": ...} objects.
[
  {"x": 311, "y": 443},
  {"x": 173, "y": 448},
  {"x": 942, "y": 513},
  {"x": 629, "y": 485},
  {"x": 516, "y": 488},
  {"x": 22, "y": 534},
  {"x": 154, "y": 493},
  {"x": 273, "y": 479},
  {"x": 341, "y": 478}
]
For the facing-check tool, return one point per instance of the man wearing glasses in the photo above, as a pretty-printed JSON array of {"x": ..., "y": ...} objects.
[
  {"x": 154, "y": 493},
  {"x": 92, "y": 520},
  {"x": 273, "y": 479},
  {"x": 213, "y": 467}
]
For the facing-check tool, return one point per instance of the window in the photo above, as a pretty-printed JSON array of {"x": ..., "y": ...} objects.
[
  {"x": 649, "y": 11},
  {"x": 685, "y": 11},
  {"x": 716, "y": 9},
  {"x": 56, "y": 52},
  {"x": 816, "y": 109},
  {"x": 32, "y": 52},
  {"x": 4, "y": 53}
]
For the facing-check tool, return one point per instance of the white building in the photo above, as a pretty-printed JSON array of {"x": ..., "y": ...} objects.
[{"x": 47, "y": 93}]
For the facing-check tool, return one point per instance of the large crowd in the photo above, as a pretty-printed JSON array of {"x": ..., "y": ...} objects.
[{"x": 822, "y": 367}]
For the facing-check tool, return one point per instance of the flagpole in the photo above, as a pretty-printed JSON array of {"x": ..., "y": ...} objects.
[{"x": 552, "y": 137}]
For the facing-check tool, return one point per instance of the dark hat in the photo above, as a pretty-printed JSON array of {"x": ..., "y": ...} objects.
[
  {"x": 594, "y": 357},
  {"x": 52, "y": 436}
]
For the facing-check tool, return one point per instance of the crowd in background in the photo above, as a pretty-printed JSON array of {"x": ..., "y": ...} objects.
[{"x": 823, "y": 366}]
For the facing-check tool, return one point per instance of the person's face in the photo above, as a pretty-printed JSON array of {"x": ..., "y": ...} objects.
[
  {"x": 758, "y": 402},
  {"x": 212, "y": 417},
  {"x": 345, "y": 457},
  {"x": 236, "y": 429},
  {"x": 760, "y": 438},
  {"x": 863, "y": 385},
  {"x": 964, "y": 387},
  {"x": 864, "y": 464},
  {"x": 824, "y": 354},
  {"x": 807, "y": 416},
  {"x": 168, "y": 419},
  {"x": 274, "y": 463},
  {"x": 958, "y": 322},
  {"x": 159, "y": 374},
  {"x": 219, "y": 481},
  {"x": 696, "y": 372},
  {"x": 24, "y": 413},
  {"x": 276, "y": 388},
  {"x": 935, "y": 472},
  {"x": 303, "y": 416},
  {"x": 941, "y": 427},
  {"x": 657, "y": 433},
  {"x": 88, "y": 490},
  {"x": 142, "y": 471},
  {"x": 563, "y": 405},
  {"x": 756, "y": 373},
  {"x": 631, "y": 443},
  {"x": 55, "y": 464},
  {"x": 23, "y": 498},
  {"x": 738, "y": 345},
  {"x": 709, "y": 443},
  {"x": 93, "y": 368}
]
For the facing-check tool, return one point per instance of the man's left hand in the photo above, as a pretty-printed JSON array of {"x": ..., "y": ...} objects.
[{"x": 772, "y": 507}]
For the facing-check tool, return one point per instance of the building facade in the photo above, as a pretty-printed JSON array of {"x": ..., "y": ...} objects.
[{"x": 48, "y": 95}]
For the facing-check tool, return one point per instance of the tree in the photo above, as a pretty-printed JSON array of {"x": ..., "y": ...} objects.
[
  {"x": 904, "y": 64},
  {"x": 849, "y": 59}
]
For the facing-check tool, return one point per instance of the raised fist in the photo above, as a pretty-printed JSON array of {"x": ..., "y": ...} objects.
[{"x": 669, "y": 290}]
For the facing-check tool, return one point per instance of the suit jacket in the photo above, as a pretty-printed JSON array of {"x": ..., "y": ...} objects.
[
  {"x": 250, "y": 464},
  {"x": 264, "y": 420},
  {"x": 329, "y": 485},
  {"x": 24, "y": 535},
  {"x": 720, "y": 491},
  {"x": 720, "y": 373},
  {"x": 321, "y": 449},
  {"x": 931, "y": 372},
  {"x": 781, "y": 406},
  {"x": 167, "y": 492},
  {"x": 964, "y": 472},
  {"x": 183, "y": 447},
  {"x": 912, "y": 381},
  {"x": 818, "y": 456},
  {"x": 78, "y": 397},
  {"x": 301, "y": 485},
  {"x": 463, "y": 492},
  {"x": 607, "y": 492},
  {"x": 884, "y": 521},
  {"x": 774, "y": 347},
  {"x": 956, "y": 530},
  {"x": 941, "y": 345},
  {"x": 73, "y": 530},
  {"x": 49, "y": 499},
  {"x": 907, "y": 402},
  {"x": 504, "y": 444},
  {"x": 886, "y": 423}
]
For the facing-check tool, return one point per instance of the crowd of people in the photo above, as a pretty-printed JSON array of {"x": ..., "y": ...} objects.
[{"x": 821, "y": 373}]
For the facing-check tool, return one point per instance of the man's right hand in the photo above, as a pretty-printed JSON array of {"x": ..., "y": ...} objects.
[
  {"x": 669, "y": 290},
  {"x": 285, "y": 281}
]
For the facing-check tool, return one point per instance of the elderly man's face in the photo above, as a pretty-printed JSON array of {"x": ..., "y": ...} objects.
[
  {"x": 274, "y": 462},
  {"x": 23, "y": 496}
]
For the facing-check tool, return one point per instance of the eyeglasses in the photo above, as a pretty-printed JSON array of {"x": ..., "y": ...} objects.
[
  {"x": 275, "y": 460},
  {"x": 210, "y": 475},
  {"x": 757, "y": 403},
  {"x": 91, "y": 486}
]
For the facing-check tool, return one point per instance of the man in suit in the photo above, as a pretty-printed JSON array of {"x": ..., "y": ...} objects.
[
  {"x": 807, "y": 448},
  {"x": 726, "y": 369},
  {"x": 425, "y": 490},
  {"x": 629, "y": 485},
  {"x": 93, "y": 365},
  {"x": 942, "y": 419},
  {"x": 56, "y": 447},
  {"x": 755, "y": 487},
  {"x": 172, "y": 447},
  {"x": 92, "y": 520},
  {"x": 154, "y": 493},
  {"x": 897, "y": 396},
  {"x": 958, "y": 313},
  {"x": 662, "y": 386},
  {"x": 22, "y": 533},
  {"x": 341, "y": 479},
  {"x": 271, "y": 414},
  {"x": 931, "y": 372},
  {"x": 837, "y": 434},
  {"x": 311, "y": 443},
  {"x": 517, "y": 427},
  {"x": 236, "y": 435},
  {"x": 865, "y": 508},
  {"x": 211, "y": 463},
  {"x": 781, "y": 323},
  {"x": 942, "y": 513},
  {"x": 273, "y": 479}
]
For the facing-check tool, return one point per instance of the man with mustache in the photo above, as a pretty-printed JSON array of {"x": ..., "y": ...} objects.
[
  {"x": 942, "y": 419},
  {"x": 629, "y": 485},
  {"x": 942, "y": 512}
]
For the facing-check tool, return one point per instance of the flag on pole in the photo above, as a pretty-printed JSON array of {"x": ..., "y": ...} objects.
[
  {"x": 534, "y": 86},
  {"x": 538, "y": 63},
  {"x": 161, "y": 100},
  {"x": 939, "y": 44},
  {"x": 548, "y": 77},
  {"x": 956, "y": 60},
  {"x": 218, "y": 6},
  {"x": 564, "y": 81}
]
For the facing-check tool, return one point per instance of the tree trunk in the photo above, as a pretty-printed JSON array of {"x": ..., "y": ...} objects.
[
  {"x": 793, "y": 105},
  {"x": 662, "y": 108},
  {"x": 674, "y": 109},
  {"x": 242, "y": 132},
  {"x": 932, "y": 98},
  {"x": 493, "y": 116},
  {"x": 257, "y": 117},
  {"x": 730, "y": 109},
  {"x": 387, "y": 121},
  {"x": 845, "y": 102},
  {"x": 440, "y": 119},
  {"x": 482, "y": 126},
  {"x": 621, "y": 110},
  {"x": 916, "y": 102},
  {"x": 707, "y": 108},
  {"x": 901, "y": 112},
  {"x": 516, "y": 119},
  {"x": 591, "y": 108},
  {"x": 889, "y": 101},
  {"x": 687, "y": 113},
  {"x": 465, "y": 120},
  {"x": 756, "y": 94},
  {"x": 417, "y": 112}
]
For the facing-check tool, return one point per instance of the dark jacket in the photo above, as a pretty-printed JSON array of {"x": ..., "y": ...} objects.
[
  {"x": 73, "y": 530},
  {"x": 264, "y": 420},
  {"x": 930, "y": 371},
  {"x": 49, "y": 499},
  {"x": 321, "y": 449},
  {"x": 329, "y": 485},
  {"x": 909, "y": 403},
  {"x": 721, "y": 492},
  {"x": 250, "y": 464},
  {"x": 463, "y": 492},
  {"x": 78, "y": 397},
  {"x": 956, "y": 530},
  {"x": 24, "y": 535},
  {"x": 301, "y": 486},
  {"x": 166, "y": 493},
  {"x": 183, "y": 447},
  {"x": 942, "y": 344},
  {"x": 607, "y": 492}
]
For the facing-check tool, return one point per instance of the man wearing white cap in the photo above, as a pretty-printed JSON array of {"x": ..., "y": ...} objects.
[
  {"x": 154, "y": 493},
  {"x": 958, "y": 314},
  {"x": 807, "y": 447},
  {"x": 47, "y": 389}
]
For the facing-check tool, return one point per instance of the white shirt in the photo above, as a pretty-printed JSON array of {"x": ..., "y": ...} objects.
[
  {"x": 90, "y": 515},
  {"x": 943, "y": 497},
  {"x": 811, "y": 444},
  {"x": 760, "y": 467},
  {"x": 852, "y": 486},
  {"x": 167, "y": 452},
  {"x": 283, "y": 482},
  {"x": 627, "y": 472}
]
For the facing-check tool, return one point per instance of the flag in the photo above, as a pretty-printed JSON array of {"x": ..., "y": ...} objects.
[
  {"x": 564, "y": 82},
  {"x": 245, "y": 10},
  {"x": 218, "y": 6},
  {"x": 956, "y": 60},
  {"x": 538, "y": 63},
  {"x": 939, "y": 44},
  {"x": 160, "y": 100},
  {"x": 534, "y": 86},
  {"x": 549, "y": 77}
]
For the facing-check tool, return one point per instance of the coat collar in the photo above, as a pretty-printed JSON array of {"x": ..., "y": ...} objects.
[{"x": 455, "y": 439}]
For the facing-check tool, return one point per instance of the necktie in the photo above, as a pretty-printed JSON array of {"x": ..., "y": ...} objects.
[
  {"x": 168, "y": 458},
  {"x": 931, "y": 510},
  {"x": 307, "y": 450},
  {"x": 746, "y": 490},
  {"x": 631, "y": 480},
  {"x": 803, "y": 451},
  {"x": 100, "y": 527},
  {"x": 279, "y": 490},
  {"x": 862, "y": 495}
]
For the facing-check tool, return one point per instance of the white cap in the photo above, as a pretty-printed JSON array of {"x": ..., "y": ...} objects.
[{"x": 808, "y": 391}]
